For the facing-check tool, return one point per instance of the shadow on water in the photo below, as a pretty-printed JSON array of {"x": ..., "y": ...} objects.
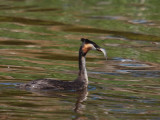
[
  {"x": 28, "y": 8},
  {"x": 133, "y": 68},
  {"x": 28, "y": 21},
  {"x": 16, "y": 42},
  {"x": 42, "y": 10},
  {"x": 73, "y": 28},
  {"x": 7, "y": 7},
  {"x": 127, "y": 20},
  {"x": 127, "y": 35}
]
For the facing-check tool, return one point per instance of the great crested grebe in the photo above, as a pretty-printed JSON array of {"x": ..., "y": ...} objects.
[{"x": 80, "y": 83}]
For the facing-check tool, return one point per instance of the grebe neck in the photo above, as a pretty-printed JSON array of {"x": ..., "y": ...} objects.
[{"x": 83, "y": 77}]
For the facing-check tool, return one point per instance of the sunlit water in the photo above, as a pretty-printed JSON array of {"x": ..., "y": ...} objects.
[{"x": 40, "y": 39}]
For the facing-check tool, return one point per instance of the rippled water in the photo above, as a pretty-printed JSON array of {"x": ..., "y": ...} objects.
[{"x": 40, "y": 39}]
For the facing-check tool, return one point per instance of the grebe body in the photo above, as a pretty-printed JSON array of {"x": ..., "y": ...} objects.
[{"x": 80, "y": 83}]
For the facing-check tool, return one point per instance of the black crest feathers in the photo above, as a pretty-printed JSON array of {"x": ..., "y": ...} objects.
[{"x": 86, "y": 40}]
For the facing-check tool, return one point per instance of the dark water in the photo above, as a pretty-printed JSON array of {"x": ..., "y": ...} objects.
[{"x": 40, "y": 39}]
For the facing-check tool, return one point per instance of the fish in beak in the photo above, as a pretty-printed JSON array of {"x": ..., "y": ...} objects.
[{"x": 103, "y": 51}]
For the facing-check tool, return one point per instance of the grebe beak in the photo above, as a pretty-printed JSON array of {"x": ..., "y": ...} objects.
[{"x": 103, "y": 51}]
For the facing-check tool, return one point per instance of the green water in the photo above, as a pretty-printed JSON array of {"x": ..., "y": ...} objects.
[{"x": 40, "y": 39}]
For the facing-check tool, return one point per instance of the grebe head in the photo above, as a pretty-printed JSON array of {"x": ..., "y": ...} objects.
[{"x": 90, "y": 45}]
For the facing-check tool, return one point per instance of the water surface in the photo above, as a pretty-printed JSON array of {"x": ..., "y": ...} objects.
[{"x": 41, "y": 39}]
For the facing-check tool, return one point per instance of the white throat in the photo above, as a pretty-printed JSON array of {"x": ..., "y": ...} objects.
[{"x": 84, "y": 69}]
